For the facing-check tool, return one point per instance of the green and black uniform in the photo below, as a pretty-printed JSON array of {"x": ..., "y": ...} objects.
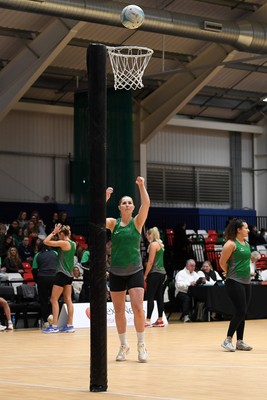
[{"x": 238, "y": 287}]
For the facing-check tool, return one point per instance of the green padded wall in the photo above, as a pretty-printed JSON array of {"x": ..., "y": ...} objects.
[{"x": 120, "y": 166}]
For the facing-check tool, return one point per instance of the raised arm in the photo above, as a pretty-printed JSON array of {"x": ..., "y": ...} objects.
[
  {"x": 110, "y": 222},
  {"x": 63, "y": 244},
  {"x": 145, "y": 204}
]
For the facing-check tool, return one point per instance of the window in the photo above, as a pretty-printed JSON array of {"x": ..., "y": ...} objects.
[{"x": 186, "y": 186}]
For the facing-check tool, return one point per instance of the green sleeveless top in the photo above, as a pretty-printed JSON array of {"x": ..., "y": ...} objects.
[
  {"x": 158, "y": 265},
  {"x": 239, "y": 264},
  {"x": 66, "y": 259},
  {"x": 125, "y": 250}
]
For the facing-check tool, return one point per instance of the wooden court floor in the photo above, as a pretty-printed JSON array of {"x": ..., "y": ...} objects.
[{"x": 186, "y": 362}]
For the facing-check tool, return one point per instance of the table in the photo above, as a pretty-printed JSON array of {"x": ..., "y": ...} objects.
[{"x": 217, "y": 300}]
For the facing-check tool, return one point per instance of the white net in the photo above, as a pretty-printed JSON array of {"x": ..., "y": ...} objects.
[{"x": 128, "y": 65}]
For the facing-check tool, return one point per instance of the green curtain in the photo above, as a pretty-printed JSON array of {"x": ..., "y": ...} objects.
[{"x": 120, "y": 166}]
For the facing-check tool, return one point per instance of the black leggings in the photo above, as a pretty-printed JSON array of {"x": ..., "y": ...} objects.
[
  {"x": 154, "y": 291},
  {"x": 239, "y": 294}
]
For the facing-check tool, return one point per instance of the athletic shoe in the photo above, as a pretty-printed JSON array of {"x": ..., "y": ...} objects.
[
  {"x": 187, "y": 319},
  {"x": 227, "y": 345},
  {"x": 2, "y": 328},
  {"x": 158, "y": 323},
  {"x": 50, "y": 319},
  {"x": 148, "y": 325},
  {"x": 142, "y": 353},
  {"x": 51, "y": 329},
  {"x": 67, "y": 329},
  {"x": 240, "y": 345},
  {"x": 123, "y": 351},
  {"x": 10, "y": 326}
]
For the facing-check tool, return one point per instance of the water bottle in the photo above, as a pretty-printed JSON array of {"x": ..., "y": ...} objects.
[{"x": 13, "y": 319}]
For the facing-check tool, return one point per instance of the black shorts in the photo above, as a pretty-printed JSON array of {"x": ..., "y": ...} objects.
[
  {"x": 119, "y": 283},
  {"x": 62, "y": 279}
]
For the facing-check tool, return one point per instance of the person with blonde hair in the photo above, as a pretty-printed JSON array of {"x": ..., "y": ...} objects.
[
  {"x": 126, "y": 267},
  {"x": 63, "y": 281},
  {"x": 154, "y": 277}
]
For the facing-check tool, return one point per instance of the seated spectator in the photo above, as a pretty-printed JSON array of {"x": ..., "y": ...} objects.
[
  {"x": 77, "y": 283},
  {"x": 36, "y": 242},
  {"x": 31, "y": 231},
  {"x": 41, "y": 229},
  {"x": 8, "y": 243},
  {"x": 25, "y": 250},
  {"x": 18, "y": 235},
  {"x": 207, "y": 275},
  {"x": 63, "y": 218},
  {"x": 262, "y": 236},
  {"x": 13, "y": 228},
  {"x": 183, "y": 279},
  {"x": 255, "y": 256},
  {"x": 22, "y": 219},
  {"x": 6, "y": 308},
  {"x": 50, "y": 224},
  {"x": 12, "y": 262},
  {"x": 2, "y": 238},
  {"x": 253, "y": 236}
]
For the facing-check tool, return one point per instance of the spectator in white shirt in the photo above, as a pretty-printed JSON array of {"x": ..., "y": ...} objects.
[{"x": 183, "y": 279}]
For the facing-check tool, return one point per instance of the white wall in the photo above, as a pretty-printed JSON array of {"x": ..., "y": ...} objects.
[
  {"x": 189, "y": 146},
  {"x": 203, "y": 147},
  {"x": 34, "y": 149}
]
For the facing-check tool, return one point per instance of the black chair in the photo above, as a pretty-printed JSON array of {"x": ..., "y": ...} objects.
[
  {"x": 173, "y": 304},
  {"x": 8, "y": 293},
  {"x": 27, "y": 298}
]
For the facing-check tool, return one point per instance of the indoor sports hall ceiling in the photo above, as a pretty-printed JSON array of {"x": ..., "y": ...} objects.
[{"x": 210, "y": 56}]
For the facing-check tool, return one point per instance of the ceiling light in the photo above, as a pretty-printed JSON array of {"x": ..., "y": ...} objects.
[{"x": 264, "y": 99}]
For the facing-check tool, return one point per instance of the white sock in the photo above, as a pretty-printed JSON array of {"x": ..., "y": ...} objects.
[
  {"x": 140, "y": 337},
  {"x": 123, "y": 339}
]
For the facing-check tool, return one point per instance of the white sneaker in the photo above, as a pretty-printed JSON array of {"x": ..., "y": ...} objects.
[
  {"x": 142, "y": 353},
  {"x": 50, "y": 319},
  {"x": 10, "y": 326},
  {"x": 240, "y": 345},
  {"x": 227, "y": 345},
  {"x": 124, "y": 350},
  {"x": 2, "y": 328},
  {"x": 187, "y": 319}
]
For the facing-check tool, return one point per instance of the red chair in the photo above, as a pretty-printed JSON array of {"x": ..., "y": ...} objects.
[
  {"x": 80, "y": 240},
  {"x": 28, "y": 276},
  {"x": 210, "y": 240},
  {"x": 210, "y": 252},
  {"x": 170, "y": 237},
  {"x": 262, "y": 263}
]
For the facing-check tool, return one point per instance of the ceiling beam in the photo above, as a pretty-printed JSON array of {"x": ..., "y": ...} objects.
[
  {"x": 20, "y": 74},
  {"x": 172, "y": 96}
]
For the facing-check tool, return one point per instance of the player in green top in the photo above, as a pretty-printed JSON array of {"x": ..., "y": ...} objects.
[
  {"x": 64, "y": 276},
  {"x": 154, "y": 276},
  {"x": 235, "y": 262},
  {"x": 126, "y": 269}
]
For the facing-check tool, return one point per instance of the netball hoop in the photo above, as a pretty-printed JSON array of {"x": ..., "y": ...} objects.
[{"x": 128, "y": 65}]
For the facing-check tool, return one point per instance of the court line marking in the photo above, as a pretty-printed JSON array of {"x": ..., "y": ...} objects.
[{"x": 107, "y": 393}]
